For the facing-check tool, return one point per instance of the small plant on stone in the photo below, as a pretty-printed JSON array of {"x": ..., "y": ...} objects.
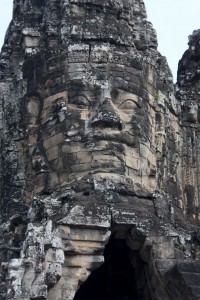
[{"x": 157, "y": 96}]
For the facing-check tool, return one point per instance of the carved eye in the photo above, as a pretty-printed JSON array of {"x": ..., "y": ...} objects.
[
  {"x": 81, "y": 102},
  {"x": 128, "y": 105}
]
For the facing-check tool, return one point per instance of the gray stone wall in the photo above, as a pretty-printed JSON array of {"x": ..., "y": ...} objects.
[{"x": 97, "y": 143}]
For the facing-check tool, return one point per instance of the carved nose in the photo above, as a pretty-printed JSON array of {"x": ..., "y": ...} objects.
[{"x": 106, "y": 117}]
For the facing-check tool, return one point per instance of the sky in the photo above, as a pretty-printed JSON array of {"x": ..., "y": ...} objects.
[
  {"x": 5, "y": 17},
  {"x": 174, "y": 21}
]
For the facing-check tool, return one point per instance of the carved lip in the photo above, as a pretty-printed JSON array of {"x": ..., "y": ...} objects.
[{"x": 112, "y": 136}]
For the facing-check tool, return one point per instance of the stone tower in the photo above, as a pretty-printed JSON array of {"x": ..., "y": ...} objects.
[{"x": 99, "y": 156}]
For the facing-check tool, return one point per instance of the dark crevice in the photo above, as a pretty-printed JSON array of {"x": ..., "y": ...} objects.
[{"x": 121, "y": 277}]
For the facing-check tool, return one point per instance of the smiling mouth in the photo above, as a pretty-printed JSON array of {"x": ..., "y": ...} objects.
[
  {"x": 112, "y": 135},
  {"x": 107, "y": 124}
]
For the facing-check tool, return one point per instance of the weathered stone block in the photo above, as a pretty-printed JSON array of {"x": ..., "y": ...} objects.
[
  {"x": 164, "y": 248},
  {"x": 83, "y": 247},
  {"x": 132, "y": 162},
  {"x": 53, "y": 269},
  {"x": 95, "y": 235},
  {"x": 71, "y": 148},
  {"x": 38, "y": 292},
  {"x": 53, "y": 141},
  {"x": 31, "y": 38},
  {"x": 84, "y": 157},
  {"x": 53, "y": 153},
  {"x": 88, "y": 261},
  {"x": 55, "y": 255},
  {"x": 78, "y": 53}
]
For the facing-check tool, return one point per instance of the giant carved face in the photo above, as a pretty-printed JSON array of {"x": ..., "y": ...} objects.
[
  {"x": 108, "y": 124},
  {"x": 99, "y": 126}
]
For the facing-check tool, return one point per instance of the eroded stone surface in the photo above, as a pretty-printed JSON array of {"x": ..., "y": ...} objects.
[{"x": 96, "y": 142}]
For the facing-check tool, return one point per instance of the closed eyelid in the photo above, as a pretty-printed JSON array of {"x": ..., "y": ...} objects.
[
  {"x": 123, "y": 102},
  {"x": 130, "y": 96},
  {"x": 78, "y": 99}
]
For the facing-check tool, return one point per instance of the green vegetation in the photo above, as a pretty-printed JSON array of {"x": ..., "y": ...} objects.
[{"x": 157, "y": 96}]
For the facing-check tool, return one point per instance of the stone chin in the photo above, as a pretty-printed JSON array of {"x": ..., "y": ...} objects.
[{"x": 106, "y": 184}]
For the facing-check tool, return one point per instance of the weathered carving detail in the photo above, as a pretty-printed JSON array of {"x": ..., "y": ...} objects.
[{"x": 99, "y": 165}]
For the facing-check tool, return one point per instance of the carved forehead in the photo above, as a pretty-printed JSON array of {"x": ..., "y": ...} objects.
[
  {"x": 90, "y": 77},
  {"x": 98, "y": 89},
  {"x": 103, "y": 66},
  {"x": 102, "y": 55}
]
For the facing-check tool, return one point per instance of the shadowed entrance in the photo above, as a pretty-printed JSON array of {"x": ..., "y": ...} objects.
[{"x": 121, "y": 277}]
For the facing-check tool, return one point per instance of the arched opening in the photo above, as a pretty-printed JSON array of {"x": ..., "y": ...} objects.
[{"x": 123, "y": 276}]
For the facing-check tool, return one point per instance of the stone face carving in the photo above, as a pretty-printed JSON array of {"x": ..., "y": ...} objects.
[{"x": 99, "y": 166}]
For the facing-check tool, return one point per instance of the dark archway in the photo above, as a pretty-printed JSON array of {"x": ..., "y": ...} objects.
[{"x": 121, "y": 277}]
